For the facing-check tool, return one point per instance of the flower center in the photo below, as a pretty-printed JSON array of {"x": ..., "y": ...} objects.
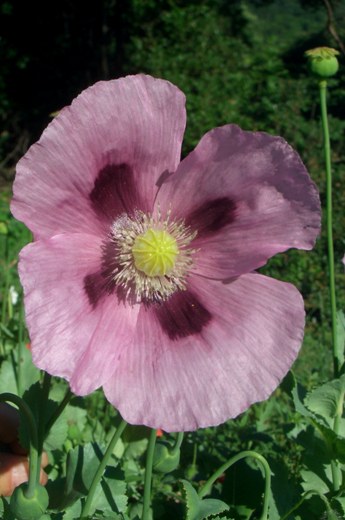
[
  {"x": 152, "y": 255},
  {"x": 155, "y": 252}
]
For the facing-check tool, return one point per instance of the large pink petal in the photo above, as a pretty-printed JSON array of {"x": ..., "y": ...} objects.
[
  {"x": 230, "y": 347},
  {"x": 101, "y": 156},
  {"x": 71, "y": 337},
  {"x": 249, "y": 197}
]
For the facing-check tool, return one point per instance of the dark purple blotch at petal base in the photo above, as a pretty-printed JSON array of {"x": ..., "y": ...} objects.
[
  {"x": 115, "y": 192},
  {"x": 212, "y": 216},
  {"x": 182, "y": 315},
  {"x": 100, "y": 284}
]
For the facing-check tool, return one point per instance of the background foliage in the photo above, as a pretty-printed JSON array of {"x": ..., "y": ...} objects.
[{"x": 237, "y": 62}]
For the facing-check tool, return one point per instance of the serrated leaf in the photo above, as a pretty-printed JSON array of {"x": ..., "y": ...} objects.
[
  {"x": 57, "y": 434},
  {"x": 284, "y": 490},
  {"x": 324, "y": 400},
  {"x": 297, "y": 393},
  {"x": 110, "y": 494},
  {"x": 201, "y": 509},
  {"x": 312, "y": 481},
  {"x": 9, "y": 373},
  {"x": 83, "y": 462},
  {"x": 339, "y": 504},
  {"x": 108, "y": 515},
  {"x": 74, "y": 512}
]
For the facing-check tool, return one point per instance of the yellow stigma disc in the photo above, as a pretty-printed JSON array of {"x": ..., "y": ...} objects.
[{"x": 155, "y": 252}]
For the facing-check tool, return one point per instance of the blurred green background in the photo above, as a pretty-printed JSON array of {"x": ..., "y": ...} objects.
[{"x": 237, "y": 61}]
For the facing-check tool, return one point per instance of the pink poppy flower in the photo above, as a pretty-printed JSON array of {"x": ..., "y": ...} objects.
[{"x": 140, "y": 277}]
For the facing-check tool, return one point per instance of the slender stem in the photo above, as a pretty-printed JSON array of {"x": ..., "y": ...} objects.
[
  {"x": 41, "y": 418},
  {"x": 6, "y": 280},
  {"x": 148, "y": 475},
  {"x": 307, "y": 495},
  {"x": 177, "y": 444},
  {"x": 244, "y": 454},
  {"x": 33, "y": 452},
  {"x": 336, "y": 471},
  {"x": 101, "y": 468},
  {"x": 20, "y": 349},
  {"x": 58, "y": 411},
  {"x": 195, "y": 454},
  {"x": 329, "y": 214}
]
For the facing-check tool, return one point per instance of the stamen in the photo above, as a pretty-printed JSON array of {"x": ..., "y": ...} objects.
[{"x": 152, "y": 255}]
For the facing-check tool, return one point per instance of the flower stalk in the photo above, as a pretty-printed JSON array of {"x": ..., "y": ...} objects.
[
  {"x": 33, "y": 451},
  {"x": 206, "y": 488},
  {"x": 329, "y": 216},
  {"x": 148, "y": 475},
  {"x": 304, "y": 497},
  {"x": 101, "y": 468},
  {"x": 337, "y": 356}
]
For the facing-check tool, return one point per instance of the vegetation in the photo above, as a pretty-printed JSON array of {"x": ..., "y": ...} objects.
[{"x": 237, "y": 62}]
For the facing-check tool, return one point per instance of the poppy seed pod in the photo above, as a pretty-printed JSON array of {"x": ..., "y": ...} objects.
[
  {"x": 25, "y": 508},
  {"x": 323, "y": 61}
]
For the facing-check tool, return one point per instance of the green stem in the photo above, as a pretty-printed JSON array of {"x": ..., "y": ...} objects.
[
  {"x": 101, "y": 468},
  {"x": 58, "y": 411},
  {"x": 42, "y": 413},
  {"x": 336, "y": 472},
  {"x": 177, "y": 444},
  {"x": 20, "y": 349},
  {"x": 329, "y": 214},
  {"x": 306, "y": 495},
  {"x": 148, "y": 475},
  {"x": 33, "y": 452},
  {"x": 244, "y": 454},
  {"x": 6, "y": 280}
]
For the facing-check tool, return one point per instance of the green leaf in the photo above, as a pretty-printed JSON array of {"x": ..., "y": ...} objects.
[
  {"x": 82, "y": 465},
  {"x": 312, "y": 481},
  {"x": 3, "y": 228},
  {"x": 324, "y": 400},
  {"x": 297, "y": 393},
  {"x": 200, "y": 509},
  {"x": 339, "y": 505},
  {"x": 9, "y": 373},
  {"x": 74, "y": 512},
  {"x": 284, "y": 490},
  {"x": 57, "y": 434}
]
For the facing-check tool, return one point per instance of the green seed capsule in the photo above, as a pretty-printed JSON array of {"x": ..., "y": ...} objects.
[
  {"x": 323, "y": 61},
  {"x": 32, "y": 508}
]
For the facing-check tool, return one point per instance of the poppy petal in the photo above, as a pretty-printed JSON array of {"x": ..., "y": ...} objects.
[
  {"x": 248, "y": 195},
  {"x": 203, "y": 378},
  {"x": 71, "y": 337},
  {"x": 102, "y": 154}
]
